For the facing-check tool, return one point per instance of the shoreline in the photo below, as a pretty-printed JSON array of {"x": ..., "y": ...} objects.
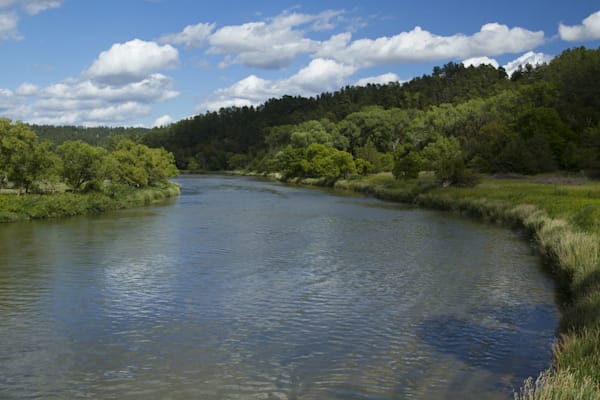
[
  {"x": 570, "y": 252},
  {"x": 30, "y": 207}
]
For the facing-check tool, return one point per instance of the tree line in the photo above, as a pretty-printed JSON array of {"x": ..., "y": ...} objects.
[
  {"x": 465, "y": 119},
  {"x": 26, "y": 162}
]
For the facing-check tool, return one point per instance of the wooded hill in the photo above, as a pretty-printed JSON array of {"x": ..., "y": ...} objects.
[{"x": 540, "y": 119}]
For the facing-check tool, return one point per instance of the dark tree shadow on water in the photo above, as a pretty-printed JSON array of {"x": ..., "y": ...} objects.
[{"x": 510, "y": 342}]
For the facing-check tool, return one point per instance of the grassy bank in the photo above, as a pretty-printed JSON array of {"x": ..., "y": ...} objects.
[
  {"x": 56, "y": 205},
  {"x": 564, "y": 220}
]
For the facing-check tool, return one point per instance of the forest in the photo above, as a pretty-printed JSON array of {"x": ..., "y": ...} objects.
[{"x": 456, "y": 121}]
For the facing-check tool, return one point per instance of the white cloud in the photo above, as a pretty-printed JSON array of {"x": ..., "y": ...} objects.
[
  {"x": 321, "y": 75},
  {"x": 163, "y": 121},
  {"x": 153, "y": 88},
  {"x": 117, "y": 112},
  {"x": 131, "y": 61},
  {"x": 527, "y": 58},
  {"x": 27, "y": 89},
  {"x": 9, "y": 19},
  {"x": 273, "y": 44},
  {"x": 36, "y": 6},
  {"x": 419, "y": 45},
  {"x": 6, "y": 3},
  {"x": 7, "y": 100},
  {"x": 120, "y": 86},
  {"x": 8, "y": 26},
  {"x": 89, "y": 102},
  {"x": 477, "y": 61},
  {"x": 192, "y": 36},
  {"x": 379, "y": 79},
  {"x": 588, "y": 30}
]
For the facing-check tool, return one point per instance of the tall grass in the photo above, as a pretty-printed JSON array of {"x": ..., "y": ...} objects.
[{"x": 56, "y": 205}]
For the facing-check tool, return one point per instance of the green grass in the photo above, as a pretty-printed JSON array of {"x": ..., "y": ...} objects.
[
  {"x": 565, "y": 222},
  {"x": 56, "y": 205}
]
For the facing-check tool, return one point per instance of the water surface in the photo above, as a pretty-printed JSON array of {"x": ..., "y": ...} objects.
[{"x": 242, "y": 289}]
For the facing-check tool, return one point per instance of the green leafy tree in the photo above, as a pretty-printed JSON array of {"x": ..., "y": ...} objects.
[
  {"x": 444, "y": 157},
  {"x": 379, "y": 161},
  {"x": 327, "y": 162},
  {"x": 25, "y": 160},
  {"x": 407, "y": 164},
  {"x": 82, "y": 164},
  {"x": 363, "y": 167},
  {"x": 320, "y": 132},
  {"x": 139, "y": 166},
  {"x": 288, "y": 161}
]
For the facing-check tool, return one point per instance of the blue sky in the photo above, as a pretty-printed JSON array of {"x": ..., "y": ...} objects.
[{"x": 149, "y": 62}]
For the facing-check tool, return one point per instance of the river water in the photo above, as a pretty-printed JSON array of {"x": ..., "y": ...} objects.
[{"x": 243, "y": 289}]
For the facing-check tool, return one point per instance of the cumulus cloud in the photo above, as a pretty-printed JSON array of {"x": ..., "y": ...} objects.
[
  {"x": 27, "y": 89},
  {"x": 130, "y": 61},
  {"x": 163, "y": 121},
  {"x": 379, "y": 79},
  {"x": 419, "y": 45},
  {"x": 154, "y": 87},
  {"x": 9, "y": 19},
  {"x": 76, "y": 101},
  {"x": 100, "y": 95},
  {"x": 528, "y": 58},
  {"x": 8, "y": 26},
  {"x": 271, "y": 45},
  {"x": 588, "y": 30},
  {"x": 192, "y": 36},
  {"x": 321, "y": 75},
  {"x": 6, "y": 99},
  {"x": 477, "y": 61}
]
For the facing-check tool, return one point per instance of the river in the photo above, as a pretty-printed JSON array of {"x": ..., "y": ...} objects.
[{"x": 244, "y": 289}]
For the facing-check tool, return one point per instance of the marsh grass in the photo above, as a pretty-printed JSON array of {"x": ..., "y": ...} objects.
[
  {"x": 56, "y": 205},
  {"x": 564, "y": 220}
]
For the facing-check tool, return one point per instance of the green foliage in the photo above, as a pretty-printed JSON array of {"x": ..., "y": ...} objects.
[
  {"x": 319, "y": 132},
  {"x": 82, "y": 164},
  {"x": 444, "y": 157},
  {"x": 237, "y": 161},
  {"x": 315, "y": 161},
  {"x": 407, "y": 164},
  {"x": 23, "y": 159},
  {"x": 138, "y": 165},
  {"x": 363, "y": 167},
  {"x": 326, "y": 162},
  {"x": 288, "y": 161},
  {"x": 381, "y": 162},
  {"x": 35, "y": 206}
]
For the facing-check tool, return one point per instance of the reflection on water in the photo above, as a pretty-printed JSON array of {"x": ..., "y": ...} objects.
[{"x": 247, "y": 289}]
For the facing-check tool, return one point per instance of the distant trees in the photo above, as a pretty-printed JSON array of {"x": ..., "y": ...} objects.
[
  {"x": 25, "y": 161},
  {"x": 542, "y": 119}
]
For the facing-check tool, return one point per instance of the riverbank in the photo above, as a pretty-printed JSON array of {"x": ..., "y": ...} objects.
[
  {"x": 56, "y": 205},
  {"x": 564, "y": 220},
  {"x": 562, "y": 216}
]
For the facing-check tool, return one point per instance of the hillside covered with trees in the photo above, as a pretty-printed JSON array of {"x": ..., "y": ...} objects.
[{"x": 457, "y": 119}]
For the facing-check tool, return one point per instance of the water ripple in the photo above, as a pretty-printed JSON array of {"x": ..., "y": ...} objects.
[{"x": 246, "y": 289}]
